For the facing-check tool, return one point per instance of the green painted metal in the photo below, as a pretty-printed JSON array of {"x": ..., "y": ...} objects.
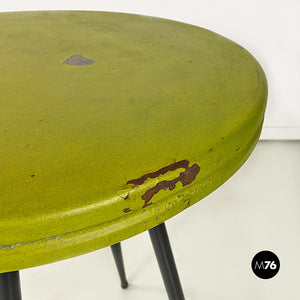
[{"x": 113, "y": 123}]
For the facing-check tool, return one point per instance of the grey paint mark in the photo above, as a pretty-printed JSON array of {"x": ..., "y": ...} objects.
[{"x": 78, "y": 60}]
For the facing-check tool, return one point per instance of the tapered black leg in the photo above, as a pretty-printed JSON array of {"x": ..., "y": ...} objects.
[
  {"x": 117, "y": 253},
  {"x": 10, "y": 288},
  {"x": 164, "y": 255}
]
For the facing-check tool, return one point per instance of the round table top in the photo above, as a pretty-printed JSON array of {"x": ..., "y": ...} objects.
[{"x": 112, "y": 123}]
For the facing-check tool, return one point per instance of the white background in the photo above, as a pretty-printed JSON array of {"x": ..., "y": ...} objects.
[{"x": 269, "y": 29}]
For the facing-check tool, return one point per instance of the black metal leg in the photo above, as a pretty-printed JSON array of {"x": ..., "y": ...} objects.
[
  {"x": 164, "y": 255},
  {"x": 10, "y": 288},
  {"x": 117, "y": 253}
]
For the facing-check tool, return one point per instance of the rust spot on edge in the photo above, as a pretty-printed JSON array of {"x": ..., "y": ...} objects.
[
  {"x": 186, "y": 177},
  {"x": 126, "y": 210},
  {"x": 180, "y": 164}
]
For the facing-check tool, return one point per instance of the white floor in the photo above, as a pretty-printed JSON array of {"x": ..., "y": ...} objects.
[{"x": 213, "y": 243}]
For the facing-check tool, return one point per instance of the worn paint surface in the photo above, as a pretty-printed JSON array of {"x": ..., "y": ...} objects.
[{"x": 95, "y": 153}]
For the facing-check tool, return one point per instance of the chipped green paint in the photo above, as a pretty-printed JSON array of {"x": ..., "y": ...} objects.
[
  {"x": 142, "y": 94},
  {"x": 186, "y": 177}
]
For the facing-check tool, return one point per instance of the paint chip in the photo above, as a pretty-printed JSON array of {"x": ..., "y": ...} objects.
[
  {"x": 78, "y": 60},
  {"x": 186, "y": 177}
]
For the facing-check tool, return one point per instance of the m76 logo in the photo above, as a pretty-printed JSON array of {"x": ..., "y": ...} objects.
[{"x": 265, "y": 265}]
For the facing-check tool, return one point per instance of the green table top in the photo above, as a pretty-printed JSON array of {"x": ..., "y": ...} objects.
[{"x": 112, "y": 123}]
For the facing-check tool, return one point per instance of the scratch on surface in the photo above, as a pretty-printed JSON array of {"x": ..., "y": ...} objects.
[
  {"x": 125, "y": 197},
  {"x": 55, "y": 237}
]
